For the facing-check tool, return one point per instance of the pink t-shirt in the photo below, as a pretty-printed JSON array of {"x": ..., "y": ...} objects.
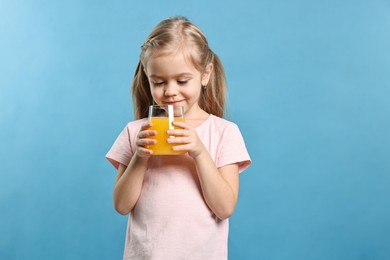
[{"x": 171, "y": 220}]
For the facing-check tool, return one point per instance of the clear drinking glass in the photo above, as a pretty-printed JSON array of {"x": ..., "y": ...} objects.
[{"x": 161, "y": 118}]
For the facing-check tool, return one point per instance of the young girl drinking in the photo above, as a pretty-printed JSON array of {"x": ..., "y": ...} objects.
[{"x": 179, "y": 205}]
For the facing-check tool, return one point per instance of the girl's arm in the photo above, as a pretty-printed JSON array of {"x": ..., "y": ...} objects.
[
  {"x": 219, "y": 186},
  {"x": 128, "y": 184},
  {"x": 129, "y": 179}
]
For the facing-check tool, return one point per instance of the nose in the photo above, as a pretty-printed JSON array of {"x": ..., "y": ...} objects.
[{"x": 170, "y": 90}]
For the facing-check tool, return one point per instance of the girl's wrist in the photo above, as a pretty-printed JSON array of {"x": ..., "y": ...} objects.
[
  {"x": 142, "y": 159},
  {"x": 199, "y": 154}
]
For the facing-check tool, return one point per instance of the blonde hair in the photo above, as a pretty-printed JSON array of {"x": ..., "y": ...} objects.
[{"x": 178, "y": 33}]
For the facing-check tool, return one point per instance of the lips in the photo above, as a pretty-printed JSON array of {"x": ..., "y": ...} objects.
[{"x": 171, "y": 102}]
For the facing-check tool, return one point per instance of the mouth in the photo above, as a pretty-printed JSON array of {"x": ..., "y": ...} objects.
[{"x": 173, "y": 103}]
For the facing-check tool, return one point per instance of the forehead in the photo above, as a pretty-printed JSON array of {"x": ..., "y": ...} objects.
[{"x": 169, "y": 63}]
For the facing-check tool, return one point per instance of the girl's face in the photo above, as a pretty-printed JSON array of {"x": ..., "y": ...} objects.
[{"x": 175, "y": 81}]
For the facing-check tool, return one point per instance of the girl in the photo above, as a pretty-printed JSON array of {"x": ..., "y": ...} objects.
[{"x": 179, "y": 205}]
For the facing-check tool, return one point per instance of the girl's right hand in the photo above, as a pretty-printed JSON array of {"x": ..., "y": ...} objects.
[{"x": 143, "y": 141}]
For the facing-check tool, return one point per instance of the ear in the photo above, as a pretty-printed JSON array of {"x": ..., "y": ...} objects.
[{"x": 206, "y": 74}]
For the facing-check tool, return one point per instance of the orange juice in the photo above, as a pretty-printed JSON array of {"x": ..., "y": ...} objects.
[{"x": 161, "y": 125}]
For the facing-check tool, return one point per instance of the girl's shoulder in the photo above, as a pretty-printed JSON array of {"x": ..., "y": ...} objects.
[
  {"x": 218, "y": 125},
  {"x": 133, "y": 127},
  {"x": 136, "y": 123},
  {"x": 221, "y": 122}
]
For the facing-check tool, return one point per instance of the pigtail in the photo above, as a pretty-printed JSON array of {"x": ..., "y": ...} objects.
[
  {"x": 214, "y": 94},
  {"x": 142, "y": 96}
]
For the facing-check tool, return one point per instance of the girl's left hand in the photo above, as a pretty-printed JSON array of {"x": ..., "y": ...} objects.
[{"x": 185, "y": 139}]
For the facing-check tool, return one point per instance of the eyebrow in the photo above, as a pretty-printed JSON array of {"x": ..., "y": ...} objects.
[{"x": 185, "y": 74}]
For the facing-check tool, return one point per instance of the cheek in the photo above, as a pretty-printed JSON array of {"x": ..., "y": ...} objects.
[
  {"x": 156, "y": 92},
  {"x": 197, "y": 92},
  {"x": 193, "y": 95},
  {"x": 156, "y": 97}
]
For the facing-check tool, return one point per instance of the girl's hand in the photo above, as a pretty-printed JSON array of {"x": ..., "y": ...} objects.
[
  {"x": 143, "y": 141},
  {"x": 185, "y": 139}
]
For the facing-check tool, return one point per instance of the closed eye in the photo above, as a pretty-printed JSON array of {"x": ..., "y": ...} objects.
[
  {"x": 159, "y": 83},
  {"x": 182, "y": 82}
]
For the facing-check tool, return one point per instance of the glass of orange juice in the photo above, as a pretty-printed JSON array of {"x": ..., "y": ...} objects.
[{"x": 161, "y": 118}]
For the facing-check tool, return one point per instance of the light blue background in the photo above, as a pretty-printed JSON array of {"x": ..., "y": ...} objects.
[{"x": 309, "y": 86}]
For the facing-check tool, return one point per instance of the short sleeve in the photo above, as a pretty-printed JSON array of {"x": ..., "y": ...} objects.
[
  {"x": 121, "y": 151},
  {"x": 232, "y": 149}
]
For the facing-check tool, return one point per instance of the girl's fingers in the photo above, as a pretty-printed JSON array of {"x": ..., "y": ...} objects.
[
  {"x": 146, "y": 125},
  {"x": 143, "y": 146},
  {"x": 181, "y": 148},
  {"x": 178, "y": 132},
  {"x": 146, "y": 133},
  {"x": 178, "y": 140},
  {"x": 145, "y": 142},
  {"x": 144, "y": 151},
  {"x": 180, "y": 124}
]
